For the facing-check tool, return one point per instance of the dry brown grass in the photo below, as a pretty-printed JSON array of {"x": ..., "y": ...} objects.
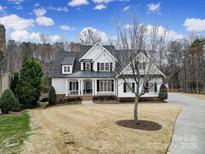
[{"x": 92, "y": 129}]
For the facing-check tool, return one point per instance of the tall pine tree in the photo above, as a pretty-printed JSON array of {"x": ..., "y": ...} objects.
[{"x": 28, "y": 88}]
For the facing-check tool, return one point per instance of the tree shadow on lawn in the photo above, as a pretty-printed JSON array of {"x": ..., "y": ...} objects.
[{"x": 141, "y": 124}]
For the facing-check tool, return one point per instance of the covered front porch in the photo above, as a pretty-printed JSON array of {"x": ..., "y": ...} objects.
[{"x": 90, "y": 87}]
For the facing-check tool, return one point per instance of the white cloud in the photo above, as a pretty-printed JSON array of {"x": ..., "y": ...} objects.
[
  {"x": 44, "y": 21},
  {"x": 59, "y": 9},
  {"x": 74, "y": 3},
  {"x": 100, "y": 7},
  {"x": 39, "y": 11},
  {"x": 154, "y": 8},
  {"x": 102, "y": 1},
  {"x": 16, "y": 1},
  {"x": 66, "y": 27},
  {"x": 103, "y": 35},
  {"x": 195, "y": 24},
  {"x": 170, "y": 34},
  {"x": 25, "y": 36},
  {"x": 15, "y": 22},
  {"x": 2, "y": 8},
  {"x": 126, "y": 8}
]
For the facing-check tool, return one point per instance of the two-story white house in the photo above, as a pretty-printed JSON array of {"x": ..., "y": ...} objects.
[{"x": 93, "y": 71}]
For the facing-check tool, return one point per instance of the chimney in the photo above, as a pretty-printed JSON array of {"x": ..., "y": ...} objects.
[
  {"x": 75, "y": 47},
  {"x": 2, "y": 40}
]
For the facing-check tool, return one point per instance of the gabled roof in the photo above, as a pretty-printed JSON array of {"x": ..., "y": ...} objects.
[{"x": 72, "y": 58}]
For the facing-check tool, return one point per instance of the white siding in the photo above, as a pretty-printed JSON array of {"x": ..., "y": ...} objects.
[
  {"x": 59, "y": 84},
  {"x": 104, "y": 57},
  {"x": 130, "y": 94}
]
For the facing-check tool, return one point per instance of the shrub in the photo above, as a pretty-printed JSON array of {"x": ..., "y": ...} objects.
[
  {"x": 52, "y": 96},
  {"x": 163, "y": 92},
  {"x": 104, "y": 98},
  {"x": 8, "y": 102}
]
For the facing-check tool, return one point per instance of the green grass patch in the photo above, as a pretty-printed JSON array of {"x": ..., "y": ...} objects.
[{"x": 13, "y": 130}]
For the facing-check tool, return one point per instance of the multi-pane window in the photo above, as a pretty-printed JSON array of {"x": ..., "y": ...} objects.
[
  {"x": 129, "y": 87},
  {"x": 105, "y": 85},
  {"x": 142, "y": 65},
  {"x": 104, "y": 66},
  {"x": 66, "y": 69},
  {"x": 73, "y": 87},
  {"x": 87, "y": 66}
]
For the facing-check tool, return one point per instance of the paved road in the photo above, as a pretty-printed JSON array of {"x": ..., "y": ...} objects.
[{"x": 189, "y": 132}]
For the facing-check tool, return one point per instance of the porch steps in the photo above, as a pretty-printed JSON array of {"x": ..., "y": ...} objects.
[
  {"x": 87, "y": 102},
  {"x": 87, "y": 98}
]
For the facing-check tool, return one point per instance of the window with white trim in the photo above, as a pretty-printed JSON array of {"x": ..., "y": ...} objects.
[
  {"x": 105, "y": 85},
  {"x": 104, "y": 66},
  {"x": 87, "y": 66},
  {"x": 73, "y": 87},
  {"x": 66, "y": 69}
]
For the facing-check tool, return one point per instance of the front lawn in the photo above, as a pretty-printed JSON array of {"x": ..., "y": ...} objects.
[
  {"x": 93, "y": 129},
  {"x": 13, "y": 130}
]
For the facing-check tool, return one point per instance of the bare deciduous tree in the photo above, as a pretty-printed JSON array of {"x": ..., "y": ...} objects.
[
  {"x": 90, "y": 36},
  {"x": 133, "y": 38}
]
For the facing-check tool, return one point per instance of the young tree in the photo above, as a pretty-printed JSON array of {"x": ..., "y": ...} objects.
[
  {"x": 134, "y": 66},
  {"x": 8, "y": 102},
  {"x": 28, "y": 88},
  {"x": 52, "y": 96}
]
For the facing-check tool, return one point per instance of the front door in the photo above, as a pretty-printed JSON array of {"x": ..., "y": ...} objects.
[{"x": 87, "y": 87}]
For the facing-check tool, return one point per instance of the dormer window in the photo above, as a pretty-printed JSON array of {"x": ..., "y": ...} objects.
[
  {"x": 87, "y": 66},
  {"x": 66, "y": 69}
]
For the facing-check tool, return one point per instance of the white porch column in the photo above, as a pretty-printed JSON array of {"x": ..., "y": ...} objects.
[
  {"x": 93, "y": 86},
  {"x": 81, "y": 86},
  {"x": 66, "y": 87}
]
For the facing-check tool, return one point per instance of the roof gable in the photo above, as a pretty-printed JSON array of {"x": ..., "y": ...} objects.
[{"x": 97, "y": 50}]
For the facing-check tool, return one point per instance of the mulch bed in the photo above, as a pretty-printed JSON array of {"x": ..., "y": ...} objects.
[{"x": 141, "y": 124}]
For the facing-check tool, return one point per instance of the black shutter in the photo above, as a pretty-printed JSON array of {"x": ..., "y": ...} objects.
[
  {"x": 155, "y": 87},
  {"x": 84, "y": 66},
  {"x": 144, "y": 64},
  {"x": 133, "y": 87},
  {"x": 111, "y": 67},
  {"x": 76, "y": 85},
  {"x": 112, "y": 85},
  {"x": 124, "y": 87},
  {"x": 98, "y": 66},
  {"x": 70, "y": 84},
  {"x": 91, "y": 66},
  {"x": 98, "y": 86}
]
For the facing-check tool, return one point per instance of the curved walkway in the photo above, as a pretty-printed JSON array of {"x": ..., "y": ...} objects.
[{"x": 189, "y": 131}]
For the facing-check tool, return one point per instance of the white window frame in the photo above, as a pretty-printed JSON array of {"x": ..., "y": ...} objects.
[
  {"x": 105, "y": 85},
  {"x": 104, "y": 66},
  {"x": 74, "y": 89},
  {"x": 87, "y": 64},
  {"x": 66, "y": 72},
  {"x": 129, "y": 84}
]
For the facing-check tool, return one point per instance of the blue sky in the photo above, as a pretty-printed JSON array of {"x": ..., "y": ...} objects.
[{"x": 66, "y": 18}]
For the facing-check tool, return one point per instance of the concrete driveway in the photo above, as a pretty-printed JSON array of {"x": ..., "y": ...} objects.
[{"x": 189, "y": 131}]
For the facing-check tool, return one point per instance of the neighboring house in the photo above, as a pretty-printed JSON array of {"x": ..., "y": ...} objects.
[{"x": 94, "y": 71}]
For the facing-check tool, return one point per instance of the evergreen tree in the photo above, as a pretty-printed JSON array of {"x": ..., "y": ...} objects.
[
  {"x": 28, "y": 88},
  {"x": 8, "y": 102},
  {"x": 52, "y": 96},
  {"x": 14, "y": 81}
]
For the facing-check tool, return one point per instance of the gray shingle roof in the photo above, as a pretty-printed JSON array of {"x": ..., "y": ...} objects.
[
  {"x": 72, "y": 58},
  {"x": 91, "y": 74}
]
